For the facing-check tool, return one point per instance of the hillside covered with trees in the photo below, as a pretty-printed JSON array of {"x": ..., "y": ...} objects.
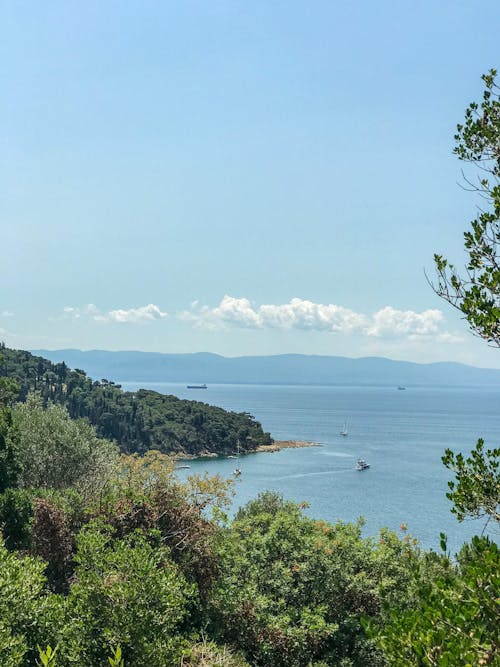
[{"x": 137, "y": 421}]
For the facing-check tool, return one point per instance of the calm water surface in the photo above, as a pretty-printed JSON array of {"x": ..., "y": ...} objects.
[{"x": 402, "y": 434}]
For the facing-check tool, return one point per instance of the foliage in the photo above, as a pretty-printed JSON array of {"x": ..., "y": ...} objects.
[
  {"x": 208, "y": 654},
  {"x": 116, "y": 659},
  {"x": 127, "y": 593},
  {"x": 140, "y": 420},
  {"x": 20, "y": 520},
  {"x": 16, "y": 515},
  {"x": 52, "y": 450},
  {"x": 9, "y": 388},
  {"x": 8, "y": 392},
  {"x": 476, "y": 490},
  {"x": 52, "y": 540},
  {"x": 293, "y": 589},
  {"x": 456, "y": 619},
  {"x": 47, "y": 657},
  {"x": 22, "y": 604},
  {"x": 477, "y": 294},
  {"x": 147, "y": 495}
]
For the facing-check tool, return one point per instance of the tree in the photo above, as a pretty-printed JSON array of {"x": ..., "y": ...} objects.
[
  {"x": 477, "y": 292},
  {"x": 52, "y": 450},
  {"x": 8, "y": 393},
  {"x": 22, "y": 606},
  {"x": 456, "y": 617},
  {"x": 292, "y": 589},
  {"x": 475, "y": 492},
  {"x": 127, "y": 593}
]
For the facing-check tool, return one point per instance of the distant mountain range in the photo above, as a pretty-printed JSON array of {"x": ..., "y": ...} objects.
[{"x": 205, "y": 367}]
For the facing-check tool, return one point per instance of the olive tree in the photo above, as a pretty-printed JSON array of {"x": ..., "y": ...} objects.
[{"x": 53, "y": 451}]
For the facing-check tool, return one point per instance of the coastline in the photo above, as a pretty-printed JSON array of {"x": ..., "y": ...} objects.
[{"x": 276, "y": 446}]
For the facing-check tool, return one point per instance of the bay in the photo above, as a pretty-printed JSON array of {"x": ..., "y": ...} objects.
[{"x": 402, "y": 434}]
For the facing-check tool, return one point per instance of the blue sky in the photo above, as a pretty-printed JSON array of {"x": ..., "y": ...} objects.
[{"x": 237, "y": 177}]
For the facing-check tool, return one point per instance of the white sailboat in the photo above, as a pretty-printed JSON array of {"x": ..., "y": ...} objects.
[
  {"x": 344, "y": 430},
  {"x": 237, "y": 470}
]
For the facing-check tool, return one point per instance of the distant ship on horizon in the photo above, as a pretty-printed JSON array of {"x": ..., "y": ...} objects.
[{"x": 197, "y": 386}]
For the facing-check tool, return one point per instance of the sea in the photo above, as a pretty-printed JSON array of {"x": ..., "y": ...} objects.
[{"x": 401, "y": 434}]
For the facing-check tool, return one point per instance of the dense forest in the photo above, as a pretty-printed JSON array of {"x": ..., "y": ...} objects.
[{"x": 137, "y": 421}]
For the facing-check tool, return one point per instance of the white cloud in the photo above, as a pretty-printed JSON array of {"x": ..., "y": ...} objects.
[
  {"x": 306, "y": 315},
  {"x": 132, "y": 315},
  {"x": 6, "y": 313},
  {"x": 141, "y": 314},
  {"x": 389, "y": 322}
]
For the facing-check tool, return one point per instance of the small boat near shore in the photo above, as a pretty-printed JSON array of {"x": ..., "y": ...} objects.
[
  {"x": 197, "y": 386},
  {"x": 237, "y": 470},
  {"x": 361, "y": 464}
]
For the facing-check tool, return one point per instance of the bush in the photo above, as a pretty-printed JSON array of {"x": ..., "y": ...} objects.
[
  {"x": 127, "y": 593},
  {"x": 293, "y": 590}
]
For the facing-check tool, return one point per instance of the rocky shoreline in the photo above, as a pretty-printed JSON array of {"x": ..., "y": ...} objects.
[{"x": 276, "y": 446}]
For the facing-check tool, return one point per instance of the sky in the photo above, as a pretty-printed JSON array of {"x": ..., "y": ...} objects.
[{"x": 235, "y": 177}]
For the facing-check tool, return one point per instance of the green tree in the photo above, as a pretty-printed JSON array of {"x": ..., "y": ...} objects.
[
  {"x": 127, "y": 593},
  {"x": 456, "y": 617},
  {"x": 475, "y": 492},
  {"x": 476, "y": 293},
  {"x": 52, "y": 450},
  {"x": 8, "y": 393},
  {"x": 292, "y": 589},
  {"x": 22, "y": 606}
]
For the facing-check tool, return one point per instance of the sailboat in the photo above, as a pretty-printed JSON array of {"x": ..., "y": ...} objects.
[
  {"x": 344, "y": 429},
  {"x": 237, "y": 470}
]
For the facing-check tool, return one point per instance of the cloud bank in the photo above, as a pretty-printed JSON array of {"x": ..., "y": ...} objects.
[
  {"x": 306, "y": 315},
  {"x": 299, "y": 315}
]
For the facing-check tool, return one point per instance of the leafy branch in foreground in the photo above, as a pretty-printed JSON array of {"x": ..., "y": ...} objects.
[
  {"x": 477, "y": 293},
  {"x": 476, "y": 491},
  {"x": 456, "y": 619}
]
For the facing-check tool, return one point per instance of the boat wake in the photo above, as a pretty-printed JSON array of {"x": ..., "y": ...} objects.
[{"x": 311, "y": 474}]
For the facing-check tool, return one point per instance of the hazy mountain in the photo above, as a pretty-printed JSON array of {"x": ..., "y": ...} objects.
[{"x": 279, "y": 369}]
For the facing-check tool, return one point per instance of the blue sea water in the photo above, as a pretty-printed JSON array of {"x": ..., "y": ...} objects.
[{"x": 402, "y": 434}]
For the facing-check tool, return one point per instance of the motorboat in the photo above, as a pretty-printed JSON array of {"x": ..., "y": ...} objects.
[{"x": 361, "y": 464}]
